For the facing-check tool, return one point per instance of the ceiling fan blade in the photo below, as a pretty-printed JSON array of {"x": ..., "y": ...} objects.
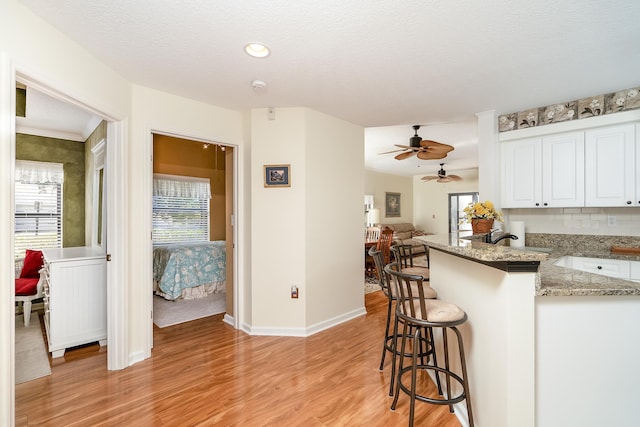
[
  {"x": 406, "y": 155},
  {"x": 427, "y": 155},
  {"x": 435, "y": 144},
  {"x": 445, "y": 179},
  {"x": 429, "y": 178},
  {"x": 402, "y": 148},
  {"x": 438, "y": 148},
  {"x": 393, "y": 151},
  {"x": 454, "y": 177}
]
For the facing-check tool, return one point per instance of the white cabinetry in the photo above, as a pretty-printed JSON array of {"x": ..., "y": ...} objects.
[
  {"x": 544, "y": 172},
  {"x": 75, "y": 297},
  {"x": 610, "y": 166},
  {"x": 606, "y": 267},
  {"x": 618, "y": 268},
  {"x": 634, "y": 271}
]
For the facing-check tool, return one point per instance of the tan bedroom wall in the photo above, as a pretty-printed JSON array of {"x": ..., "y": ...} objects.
[{"x": 176, "y": 156}]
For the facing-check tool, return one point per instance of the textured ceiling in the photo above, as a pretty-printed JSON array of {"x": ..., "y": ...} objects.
[{"x": 374, "y": 63}]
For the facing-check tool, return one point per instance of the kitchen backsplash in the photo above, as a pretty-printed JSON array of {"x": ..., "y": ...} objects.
[
  {"x": 588, "y": 221},
  {"x": 581, "y": 242}
]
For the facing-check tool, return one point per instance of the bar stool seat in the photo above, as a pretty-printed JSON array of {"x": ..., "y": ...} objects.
[
  {"x": 389, "y": 342},
  {"x": 423, "y": 316},
  {"x": 403, "y": 254}
]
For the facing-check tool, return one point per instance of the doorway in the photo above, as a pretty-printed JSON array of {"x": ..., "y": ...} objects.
[
  {"x": 58, "y": 145},
  {"x": 193, "y": 230},
  {"x": 457, "y": 203}
]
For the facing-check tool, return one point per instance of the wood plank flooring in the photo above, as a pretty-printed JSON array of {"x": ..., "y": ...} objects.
[{"x": 205, "y": 373}]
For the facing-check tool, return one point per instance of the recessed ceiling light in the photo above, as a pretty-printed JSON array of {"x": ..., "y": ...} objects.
[{"x": 257, "y": 50}]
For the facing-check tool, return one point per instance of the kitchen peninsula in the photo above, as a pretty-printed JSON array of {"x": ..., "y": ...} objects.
[{"x": 545, "y": 345}]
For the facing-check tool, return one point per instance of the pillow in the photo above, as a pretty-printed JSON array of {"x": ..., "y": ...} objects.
[
  {"x": 28, "y": 286},
  {"x": 417, "y": 233},
  {"x": 32, "y": 264}
]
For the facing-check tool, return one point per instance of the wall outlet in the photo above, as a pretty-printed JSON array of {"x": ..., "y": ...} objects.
[
  {"x": 294, "y": 292},
  {"x": 611, "y": 220}
]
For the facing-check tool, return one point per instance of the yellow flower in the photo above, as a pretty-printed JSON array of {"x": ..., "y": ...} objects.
[{"x": 481, "y": 210}]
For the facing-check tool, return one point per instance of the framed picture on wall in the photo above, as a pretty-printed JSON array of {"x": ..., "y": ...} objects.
[
  {"x": 277, "y": 176},
  {"x": 392, "y": 205}
]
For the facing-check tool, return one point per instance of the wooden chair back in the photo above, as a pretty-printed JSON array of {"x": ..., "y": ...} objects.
[
  {"x": 384, "y": 244},
  {"x": 372, "y": 234}
]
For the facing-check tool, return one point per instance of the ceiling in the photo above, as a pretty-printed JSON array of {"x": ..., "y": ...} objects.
[{"x": 379, "y": 64}]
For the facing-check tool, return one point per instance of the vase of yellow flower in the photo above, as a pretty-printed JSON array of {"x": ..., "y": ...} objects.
[{"x": 481, "y": 215}]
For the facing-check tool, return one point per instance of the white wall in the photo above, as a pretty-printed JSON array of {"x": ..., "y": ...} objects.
[
  {"x": 45, "y": 57},
  {"x": 431, "y": 200},
  {"x": 295, "y": 237},
  {"x": 159, "y": 112},
  {"x": 378, "y": 184},
  {"x": 278, "y": 244},
  {"x": 334, "y": 212}
]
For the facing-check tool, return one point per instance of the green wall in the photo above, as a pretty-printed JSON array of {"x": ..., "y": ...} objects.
[{"x": 71, "y": 154}]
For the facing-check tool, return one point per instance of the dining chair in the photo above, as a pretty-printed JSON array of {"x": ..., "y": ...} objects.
[
  {"x": 371, "y": 234},
  {"x": 384, "y": 244},
  {"x": 29, "y": 282}
]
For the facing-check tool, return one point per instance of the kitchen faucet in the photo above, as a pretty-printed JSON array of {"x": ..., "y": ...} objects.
[{"x": 487, "y": 237}]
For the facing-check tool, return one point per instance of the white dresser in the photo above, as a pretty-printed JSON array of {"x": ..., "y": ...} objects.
[{"x": 75, "y": 297}]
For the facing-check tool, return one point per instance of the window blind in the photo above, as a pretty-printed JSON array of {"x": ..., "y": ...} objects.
[
  {"x": 38, "y": 206},
  {"x": 180, "y": 210}
]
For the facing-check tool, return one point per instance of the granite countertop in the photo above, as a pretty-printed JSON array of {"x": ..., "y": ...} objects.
[{"x": 554, "y": 280}]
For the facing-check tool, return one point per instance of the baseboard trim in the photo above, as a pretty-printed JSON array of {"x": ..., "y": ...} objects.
[{"x": 305, "y": 332}]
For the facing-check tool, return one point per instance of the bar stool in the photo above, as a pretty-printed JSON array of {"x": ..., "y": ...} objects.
[
  {"x": 404, "y": 255},
  {"x": 425, "y": 315},
  {"x": 389, "y": 343}
]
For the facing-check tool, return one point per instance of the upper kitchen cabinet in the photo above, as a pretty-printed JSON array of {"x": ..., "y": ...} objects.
[
  {"x": 544, "y": 171},
  {"x": 611, "y": 166}
]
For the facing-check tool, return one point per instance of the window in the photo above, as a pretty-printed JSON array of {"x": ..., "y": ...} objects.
[
  {"x": 38, "y": 217},
  {"x": 457, "y": 203},
  {"x": 180, "y": 209}
]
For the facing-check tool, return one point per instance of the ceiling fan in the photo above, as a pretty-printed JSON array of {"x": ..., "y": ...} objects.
[
  {"x": 425, "y": 149},
  {"x": 442, "y": 176}
]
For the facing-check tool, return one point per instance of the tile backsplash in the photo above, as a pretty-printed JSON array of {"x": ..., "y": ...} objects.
[{"x": 590, "y": 221}]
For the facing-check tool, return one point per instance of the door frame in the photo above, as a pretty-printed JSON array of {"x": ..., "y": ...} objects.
[
  {"x": 232, "y": 320},
  {"x": 116, "y": 236}
]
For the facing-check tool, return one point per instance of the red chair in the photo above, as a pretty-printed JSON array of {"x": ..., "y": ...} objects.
[{"x": 29, "y": 281}]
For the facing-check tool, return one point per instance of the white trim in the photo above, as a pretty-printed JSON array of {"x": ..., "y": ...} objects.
[
  {"x": 229, "y": 320},
  {"x": 117, "y": 193},
  {"x": 147, "y": 255},
  {"x": 7, "y": 296},
  {"x": 308, "y": 331},
  {"x": 50, "y": 133},
  {"x": 99, "y": 164}
]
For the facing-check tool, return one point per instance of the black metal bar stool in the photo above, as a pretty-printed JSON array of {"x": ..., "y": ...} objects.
[
  {"x": 425, "y": 315},
  {"x": 389, "y": 343},
  {"x": 403, "y": 254}
]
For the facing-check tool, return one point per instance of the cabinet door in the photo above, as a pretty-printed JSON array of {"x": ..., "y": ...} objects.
[
  {"x": 634, "y": 272},
  {"x": 606, "y": 267},
  {"x": 610, "y": 166},
  {"x": 563, "y": 170},
  {"x": 522, "y": 173}
]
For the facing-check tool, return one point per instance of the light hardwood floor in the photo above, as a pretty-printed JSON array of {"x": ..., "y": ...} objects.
[{"x": 205, "y": 373}]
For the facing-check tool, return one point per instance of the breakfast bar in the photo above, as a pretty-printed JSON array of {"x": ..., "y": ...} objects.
[{"x": 546, "y": 344}]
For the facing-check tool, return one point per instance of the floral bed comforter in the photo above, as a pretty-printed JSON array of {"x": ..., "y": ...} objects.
[{"x": 180, "y": 267}]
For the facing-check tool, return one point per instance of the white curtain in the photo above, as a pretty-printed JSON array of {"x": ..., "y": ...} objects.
[
  {"x": 39, "y": 172},
  {"x": 181, "y": 186}
]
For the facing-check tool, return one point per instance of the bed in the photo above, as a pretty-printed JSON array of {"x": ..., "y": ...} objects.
[{"x": 191, "y": 270}]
